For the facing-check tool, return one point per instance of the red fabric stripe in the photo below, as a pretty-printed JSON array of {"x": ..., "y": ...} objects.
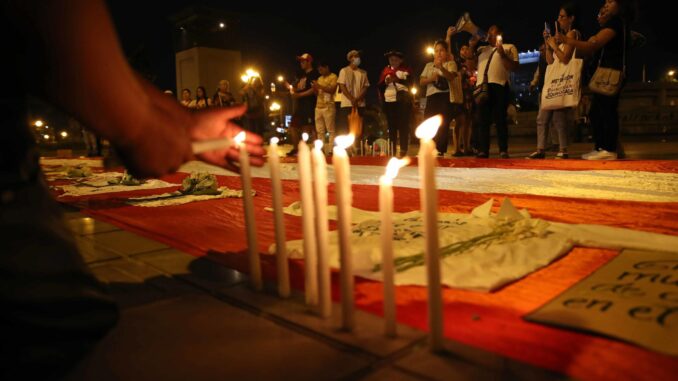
[{"x": 491, "y": 321}]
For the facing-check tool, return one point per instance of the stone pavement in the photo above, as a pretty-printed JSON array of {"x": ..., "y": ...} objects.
[{"x": 189, "y": 318}]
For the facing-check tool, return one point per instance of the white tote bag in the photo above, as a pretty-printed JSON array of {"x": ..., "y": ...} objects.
[{"x": 562, "y": 84}]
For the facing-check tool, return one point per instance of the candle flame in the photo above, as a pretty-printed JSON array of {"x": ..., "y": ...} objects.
[
  {"x": 304, "y": 136},
  {"x": 344, "y": 141},
  {"x": 428, "y": 128},
  {"x": 274, "y": 140},
  {"x": 318, "y": 144},
  {"x": 240, "y": 138},
  {"x": 394, "y": 166}
]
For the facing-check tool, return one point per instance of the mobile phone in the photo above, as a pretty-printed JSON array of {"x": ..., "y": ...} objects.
[{"x": 547, "y": 27}]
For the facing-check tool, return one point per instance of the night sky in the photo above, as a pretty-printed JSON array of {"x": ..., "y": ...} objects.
[{"x": 271, "y": 37}]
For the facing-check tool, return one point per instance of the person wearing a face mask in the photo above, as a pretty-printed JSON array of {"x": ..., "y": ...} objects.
[{"x": 353, "y": 83}]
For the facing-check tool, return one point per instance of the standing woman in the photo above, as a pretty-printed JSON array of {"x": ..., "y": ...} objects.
[
  {"x": 253, "y": 95},
  {"x": 438, "y": 93},
  {"x": 201, "y": 101},
  {"x": 394, "y": 87},
  {"x": 613, "y": 41},
  {"x": 561, "y": 119}
]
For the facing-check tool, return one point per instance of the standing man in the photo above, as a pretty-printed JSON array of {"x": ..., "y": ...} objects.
[
  {"x": 325, "y": 111},
  {"x": 502, "y": 59},
  {"x": 304, "y": 99},
  {"x": 353, "y": 83}
]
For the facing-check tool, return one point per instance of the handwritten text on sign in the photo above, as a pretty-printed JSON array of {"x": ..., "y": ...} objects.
[{"x": 633, "y": 298}]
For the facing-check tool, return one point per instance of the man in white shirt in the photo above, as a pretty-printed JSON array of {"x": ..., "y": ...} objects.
[
  {"x": 353, "y": 84},
  {"x": 503, "y": 59}
]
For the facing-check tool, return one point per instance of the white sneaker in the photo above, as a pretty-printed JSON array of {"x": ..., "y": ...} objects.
[
  {"x": 603, "y": 155},
  {"x": 592, "y": 153}
]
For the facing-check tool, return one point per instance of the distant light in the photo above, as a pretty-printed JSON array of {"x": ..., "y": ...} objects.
[
  {"x": 430, "y": 50},
  {"x": 275, "y": 106},
  {"x": 413, "y": 91},
  {"x": 63, "y": 134},
  {"x": 272, "y": 123},
  {"x": 281, "y": 130},
  {"x": 46, "y": 126},
  {"x": 672, "y": 73},
  {"x": 45, "y": 136},
  {"x": 281, "y": 78},
  {"x": 267, "y": 97},
  {"x": 222, "y": 25},
  {"x": 38, "y": 123},
  {"x": 245, "y": 78}
]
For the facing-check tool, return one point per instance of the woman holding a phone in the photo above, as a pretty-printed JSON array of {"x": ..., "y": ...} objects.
[
  {"x": 612, "y": 41},
  {"x": 560, "y": 119}
]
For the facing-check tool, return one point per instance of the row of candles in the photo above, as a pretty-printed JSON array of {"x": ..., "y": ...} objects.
[{"x": 312, "y": 168}]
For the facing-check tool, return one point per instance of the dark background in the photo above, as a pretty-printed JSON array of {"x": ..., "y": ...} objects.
[{"x": 270, "y": 37}]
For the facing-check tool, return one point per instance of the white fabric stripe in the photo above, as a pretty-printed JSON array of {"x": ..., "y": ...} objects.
[{"x": 599, "y": 184}]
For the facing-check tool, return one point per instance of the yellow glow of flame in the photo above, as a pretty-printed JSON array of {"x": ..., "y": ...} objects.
[
  {"x": 318, "y": 144},
  {"x": 38, "y": 123},
  {"x": 240, "y": 138},
  {"x": 394, "y": 166},
  {"x": 274, "y": 140},
  {"x": 304, "y": 136},
  {"x": 428, "y": 128},
  {"x": 344, "y": 141}
]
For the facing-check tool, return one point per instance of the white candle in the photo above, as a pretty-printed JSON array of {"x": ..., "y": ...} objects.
[
  {"x": 429, "y": 206},
  {"x": 308, "y": 222},
  {"x": 280, "y": 248},
  {"x": 344, "y": 196},
  {"x": 250, "y": 224},
  {"x": 387, "y": 267},
  {"x": 322, "y": 230}
]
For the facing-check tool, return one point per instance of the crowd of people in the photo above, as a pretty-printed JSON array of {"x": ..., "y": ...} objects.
[{"x": 470, "y": 87}]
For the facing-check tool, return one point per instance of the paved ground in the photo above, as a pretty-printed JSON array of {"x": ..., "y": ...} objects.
[{"x": 189, "y": 318}]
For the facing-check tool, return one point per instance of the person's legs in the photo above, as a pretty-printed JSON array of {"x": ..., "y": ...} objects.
[
  {"x": 320, "y": 126},
  {"x": 498, "y": 115},
  {"x": 390, "y": 110},
  {"x": 484, "y": 118},
  {"x": 441, "y": 106},
  {"x": 404, "y": 115},
  {"x": 597, "y": 117},
  {"x": 329, "y": 116},
  {"x": 543, "y": 122},
  {"x": 342, "y": 120},
  {"x": 610, "y": 134},
  {"x": 562, "y": 120}
]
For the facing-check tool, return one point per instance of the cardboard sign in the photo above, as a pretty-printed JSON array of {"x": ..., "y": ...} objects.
[{"x": 633, "y": 298}]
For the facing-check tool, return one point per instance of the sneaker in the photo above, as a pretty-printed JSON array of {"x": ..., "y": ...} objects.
[
  {"x": 537, "y": 155},
  {"x": 562, "y": 155},
  {"x": 503, "y": 155},
  {"x": 603, "y": 155},
  {"x": 592, "y": 153}
]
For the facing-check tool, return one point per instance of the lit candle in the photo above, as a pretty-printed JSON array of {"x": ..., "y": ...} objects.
[
  {"x": 308, "y": 223},
  {"x": 342, "y": 174},
  {"x": 280, "y": 249},
  {"x": 386, "y": 210},
  {"x": 429, "y": 206},
  {"x": 250, "y": 225},
  {"x": 320, "y": 187}
]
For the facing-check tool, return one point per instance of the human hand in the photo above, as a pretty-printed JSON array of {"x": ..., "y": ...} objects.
[{"x": 215, "y": 124}]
